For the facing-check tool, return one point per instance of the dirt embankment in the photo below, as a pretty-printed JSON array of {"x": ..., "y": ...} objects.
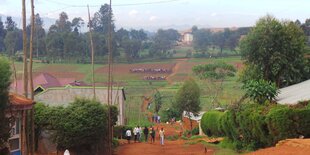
[{"x": 287, "y": 147}]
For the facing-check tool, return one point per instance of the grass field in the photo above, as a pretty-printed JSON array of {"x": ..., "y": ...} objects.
[{"x": 136, "y": 87}]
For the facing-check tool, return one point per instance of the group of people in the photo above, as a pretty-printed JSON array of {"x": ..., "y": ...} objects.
[
  {"x": 151, "y": 77},
  {"x": 150, "y": 70},
  {"x": 137, "y": 133},
  {"x": 156, "y": 119}
]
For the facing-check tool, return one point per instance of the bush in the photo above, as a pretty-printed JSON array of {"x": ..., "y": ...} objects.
[
  {"x": 210, "y": 123},
  {"x": 303, "y": 126},
  {"x": 281, "y": 124},
  {"x": 253, "y": 126}
]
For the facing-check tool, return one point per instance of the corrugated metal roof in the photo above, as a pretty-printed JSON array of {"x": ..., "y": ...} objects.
[{"x": 295, "y": 93}]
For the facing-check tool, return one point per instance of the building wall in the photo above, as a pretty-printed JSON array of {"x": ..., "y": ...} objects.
[{"x": 64, "y": 96}]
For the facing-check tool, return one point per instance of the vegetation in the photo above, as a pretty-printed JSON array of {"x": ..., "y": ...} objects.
[
  {"x": 260, "y": 91},
  {"x": 274, "y": 51},
  {"x": 5, "y": 75},
  {"x": 252, "y": 126},
  {"x": 188, "y": 98},
  {"x": 216, "y": 74},
  {"x": 80, "y": 127},
  {"x": 210, "y": 123}
]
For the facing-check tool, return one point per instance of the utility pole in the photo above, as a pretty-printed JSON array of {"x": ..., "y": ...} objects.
[
  {"x": 92, "y": 54},
  {"x": 110, "y": 82},
  {"x": 25, "y": 81},
  {"x": 31, "y": 79}
]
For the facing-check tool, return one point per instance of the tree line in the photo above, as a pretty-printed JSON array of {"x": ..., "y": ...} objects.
[{"x": 64, "y": 39}]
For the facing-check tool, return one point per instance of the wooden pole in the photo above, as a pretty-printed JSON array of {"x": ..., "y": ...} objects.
[
  {"x": 110, "y": 82},
  {"x": 25, "y": 81},
  {"x": 92, "y": 54},
  {"x": 31, "y": 79},
  {"x": 25, "y": 77}
]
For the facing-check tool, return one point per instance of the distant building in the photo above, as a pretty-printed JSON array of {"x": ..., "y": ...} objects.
[
  {"x": 17, "y": 105},
  {"x": 57, "y": 96},
  {"x": 187, "y": 37}
]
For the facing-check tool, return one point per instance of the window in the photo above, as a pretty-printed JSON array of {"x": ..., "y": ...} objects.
[{"x": 14, "y": 144}]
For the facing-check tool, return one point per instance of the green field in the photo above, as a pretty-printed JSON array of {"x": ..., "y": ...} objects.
[{"x": 136, "y": 87}]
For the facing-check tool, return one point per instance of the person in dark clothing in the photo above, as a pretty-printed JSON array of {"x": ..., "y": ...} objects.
[
  {"x": 152, "y": 133},
  {"x": 146, "y": 133}
]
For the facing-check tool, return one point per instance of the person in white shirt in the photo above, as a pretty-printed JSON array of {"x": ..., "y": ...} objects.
[
  {"x": 161, "y": 136},
  {"x": 135, "y": 133},
  {"x": 128, "y": 135}
]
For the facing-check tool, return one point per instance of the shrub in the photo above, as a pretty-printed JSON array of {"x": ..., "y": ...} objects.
[
  {"x": 210, "y": 123},
  {"x": 281, "y": 124},
  {"x": 303, "y": 118}
]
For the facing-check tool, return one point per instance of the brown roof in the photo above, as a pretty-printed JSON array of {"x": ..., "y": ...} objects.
[{"x": 19, "y": 102}]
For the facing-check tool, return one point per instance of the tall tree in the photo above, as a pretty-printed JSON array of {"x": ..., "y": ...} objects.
[
  {"x": 13, "y": 41},
  {"x": 275, "y": 50},
  {"x": 188, "y": 99},
  {"x": 62, "y": 23},
  {"x": 10, "y": 24},
  {"x": 201, "y": 39},
  {"x": 5, "y": 75},
  {"x": 163, "y": 41},
  {"x": 2, "y": 35},
  {"x": 100, "y": 21}
]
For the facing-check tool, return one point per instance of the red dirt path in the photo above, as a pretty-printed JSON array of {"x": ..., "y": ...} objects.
[{"x": 177, "y": 147}]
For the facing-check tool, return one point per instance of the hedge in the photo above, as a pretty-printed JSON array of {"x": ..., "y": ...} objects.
[
  {"x": 253, "y": 126},
  {"x": 210, "y": 123}
]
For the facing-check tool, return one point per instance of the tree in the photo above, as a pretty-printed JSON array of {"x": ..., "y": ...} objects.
[
  {"x": 163, "y": 41},
  {"x": 276, "y": 51},
  {"x": 10, "y": 24},
  {"x": 188, "y": 98},
  {"x": 77, "y": 23},
  {"x": 157, "y": 101},
  {"x": 260, "y": 91},
  {"x": 13, "y": 42},
  {"x": 2, "y": 35},
  {"x": 5, "y": 75},
  {"x": 62, "y": 23},
  {"x": 201, "y": 39},
  {"x": 215, "y": 74},
  {"x": 101, "y": 20},
  {"x": 78, "y": 127}
]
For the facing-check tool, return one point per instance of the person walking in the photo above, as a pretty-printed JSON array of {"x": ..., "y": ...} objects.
[
  {"x": 162, "y": 136},
  {"x": 128, "y": 135},
  {"x": 146, "y": 133},
  {"x": 152, "y": 133},
  {"x": 139, "y": 133},
  {"x": 135, "y": 133}
]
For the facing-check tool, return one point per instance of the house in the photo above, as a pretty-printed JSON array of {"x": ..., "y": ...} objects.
[
  {"x": 187, "y": 37},
  {"x": 295, "y": 93},
  {"x": 41, "y": 82},
  {"x": 56, "y": 96},
  {"x": 17, "y": 107},
  {"x": 188, "y": 116}
]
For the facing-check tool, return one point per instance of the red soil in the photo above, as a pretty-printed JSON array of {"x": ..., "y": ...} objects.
[
  {"x": 170, "y": 148},
  {"x": 287, "y": 147}
]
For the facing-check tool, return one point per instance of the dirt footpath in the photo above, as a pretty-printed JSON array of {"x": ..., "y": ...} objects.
[{"x": 177, "y": 147}]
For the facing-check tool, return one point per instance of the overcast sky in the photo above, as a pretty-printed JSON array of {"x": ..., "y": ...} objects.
[{"x": 170, "y": 13}]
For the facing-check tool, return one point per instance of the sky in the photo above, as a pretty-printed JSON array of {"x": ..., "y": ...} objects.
[{"x": 179, "y": 14}]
